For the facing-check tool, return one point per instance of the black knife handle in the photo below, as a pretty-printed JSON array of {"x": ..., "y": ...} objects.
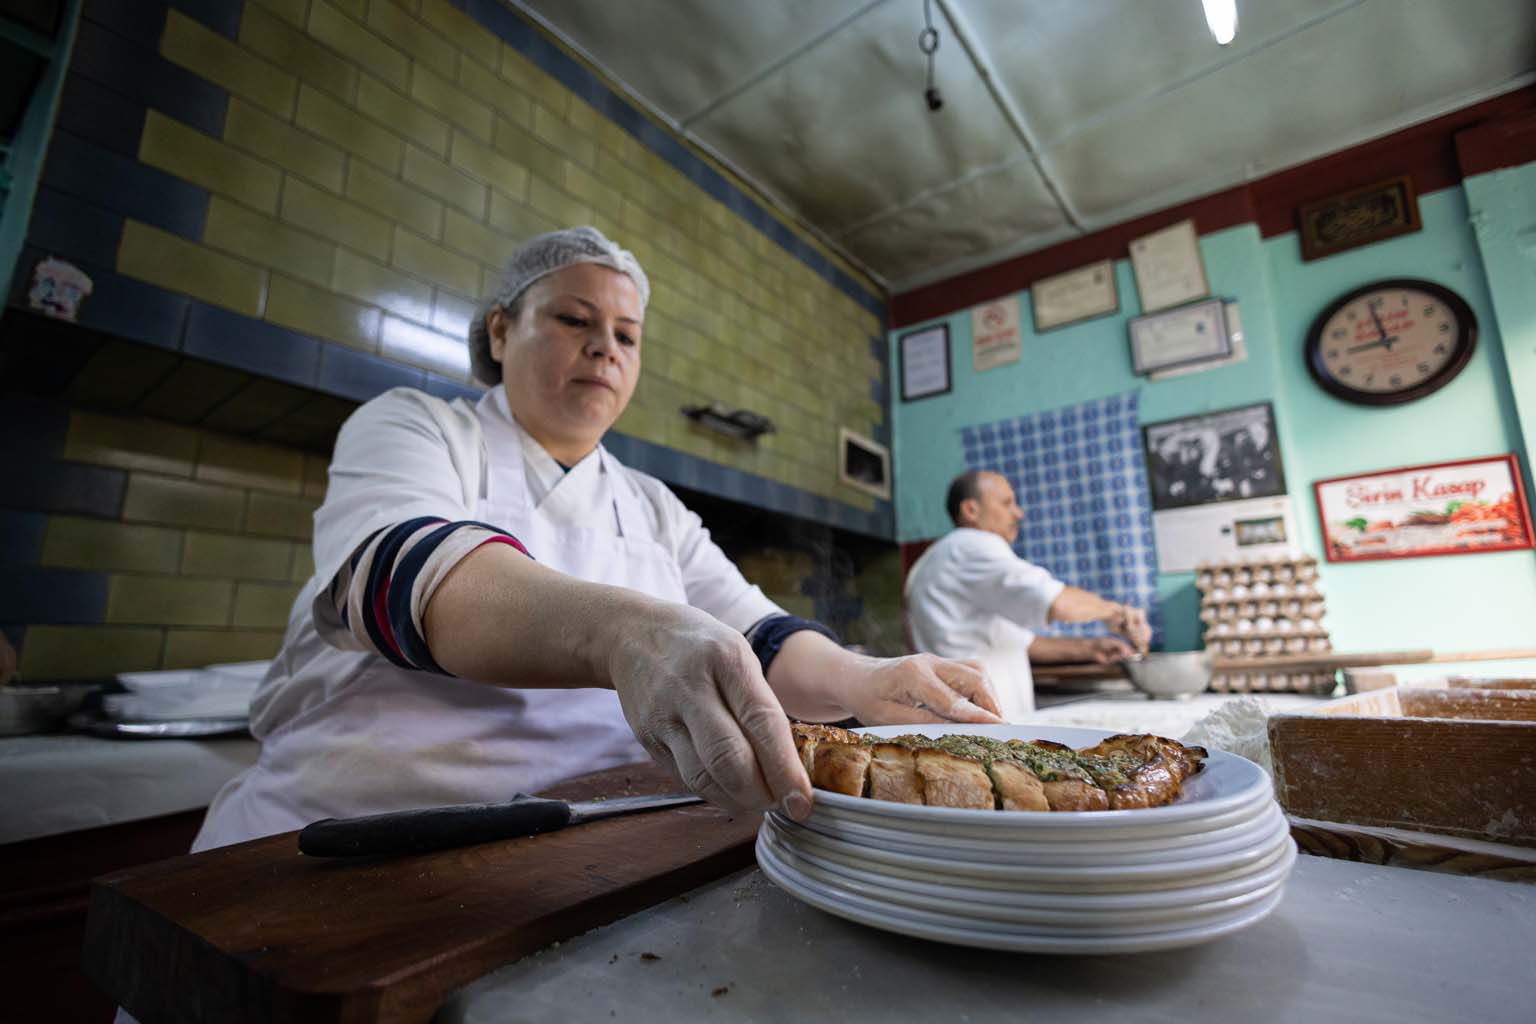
[{"x": 432, "y": 828}]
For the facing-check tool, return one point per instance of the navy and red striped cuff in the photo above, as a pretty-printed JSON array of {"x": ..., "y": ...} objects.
[{"x": 390, "y": 618}]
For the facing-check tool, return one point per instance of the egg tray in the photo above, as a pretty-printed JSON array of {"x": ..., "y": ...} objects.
[
  {"x": 1210, "y": 577},
  {"x": 1238, "y": 681}
]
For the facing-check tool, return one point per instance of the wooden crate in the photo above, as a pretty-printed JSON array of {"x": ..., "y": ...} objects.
[{"x": 1454, "y": 761}]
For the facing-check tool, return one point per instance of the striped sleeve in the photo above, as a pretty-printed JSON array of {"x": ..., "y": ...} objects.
[{"x": 376, "y": 600}]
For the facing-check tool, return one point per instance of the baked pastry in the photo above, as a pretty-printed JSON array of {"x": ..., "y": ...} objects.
[{"x": 1122, "y": 772}]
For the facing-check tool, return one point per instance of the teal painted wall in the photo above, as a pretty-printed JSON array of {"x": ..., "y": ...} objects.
[
  {"x": 1450, "y": 603},
  {"x": 1502, "y": 211}
]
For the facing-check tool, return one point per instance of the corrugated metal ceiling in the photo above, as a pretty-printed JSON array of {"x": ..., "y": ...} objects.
[{"x": 1060, "y": 116}]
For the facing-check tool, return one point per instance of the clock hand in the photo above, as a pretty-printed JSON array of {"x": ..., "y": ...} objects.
[
  {"x": 1385, "y": 339},
  {"x": 1378, "y": 343}
]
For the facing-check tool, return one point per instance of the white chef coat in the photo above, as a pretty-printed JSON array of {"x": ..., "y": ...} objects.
[
  {"x": 345, "y": 732},
  {"x": 970, "y": 596}
]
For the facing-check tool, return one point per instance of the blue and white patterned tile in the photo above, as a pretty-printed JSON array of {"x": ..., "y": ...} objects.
[{"x": 1078, "y": 474}]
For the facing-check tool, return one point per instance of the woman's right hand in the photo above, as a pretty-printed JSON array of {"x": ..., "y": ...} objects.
[{"x": 694, "y": 693}]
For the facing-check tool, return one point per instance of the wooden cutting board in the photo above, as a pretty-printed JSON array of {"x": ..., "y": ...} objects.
[{"x": 258, "y": 932}]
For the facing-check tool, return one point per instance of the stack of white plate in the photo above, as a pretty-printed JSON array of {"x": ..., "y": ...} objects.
[{"x": 1207, "y": 865}]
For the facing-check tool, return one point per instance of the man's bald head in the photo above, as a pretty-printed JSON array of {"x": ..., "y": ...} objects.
[{"x": 984, "y": 500}]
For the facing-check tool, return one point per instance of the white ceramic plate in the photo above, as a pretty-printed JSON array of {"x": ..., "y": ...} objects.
[
  {"x": 1227, "y": 783},
  {"x": 857, "y": 863},
  {"x": 1069, "y": 899},
  {"x": 988, "y": 912},
  {"x": 1164, "y": 873},
  {"x": 1104, "y": 850},
  {"x": 908, "y": 922}
]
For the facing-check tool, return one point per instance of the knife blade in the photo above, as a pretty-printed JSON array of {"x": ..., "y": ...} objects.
[{"x": 440, "y": 828}]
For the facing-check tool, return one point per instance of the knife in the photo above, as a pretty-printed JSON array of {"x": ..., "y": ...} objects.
[{"x": 439, "y": 828}]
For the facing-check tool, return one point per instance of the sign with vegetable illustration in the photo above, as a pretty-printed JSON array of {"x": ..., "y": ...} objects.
[{"x": 1448, "y": 508}]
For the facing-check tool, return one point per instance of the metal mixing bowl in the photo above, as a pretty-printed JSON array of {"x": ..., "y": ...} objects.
[{"x": 1176, "y": 676}]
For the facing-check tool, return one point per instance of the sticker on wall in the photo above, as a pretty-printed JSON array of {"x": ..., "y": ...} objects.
[
  {"x": 995, "y": 334},
  {"x": 58, "y": 288}
]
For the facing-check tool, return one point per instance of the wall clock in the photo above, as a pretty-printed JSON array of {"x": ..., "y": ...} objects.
[{"x": 1391, "y": 341}]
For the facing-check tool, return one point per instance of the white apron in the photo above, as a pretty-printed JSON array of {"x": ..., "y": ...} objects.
[
  {"x": 1007, "y": 662},
  {"x": 392, "y": 739},
  {"x": 950, "y": 620}
]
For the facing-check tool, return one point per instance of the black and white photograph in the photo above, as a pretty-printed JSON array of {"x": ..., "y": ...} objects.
[{"x": 1229, "y": 455}]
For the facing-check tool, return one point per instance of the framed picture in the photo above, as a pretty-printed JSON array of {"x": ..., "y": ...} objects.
[
  {"x": 1442, "y": 508},
  {"x": 1358, "y": 217},
  {"x": 1184, "y": 336},
  {"x": 1077, "y": 295},
  {"x": 1168, "y": 267},
  {"x": 923, "y": 357},
  {"x": 1231, "y": 455},
  {"x": 864, "y": 464}
]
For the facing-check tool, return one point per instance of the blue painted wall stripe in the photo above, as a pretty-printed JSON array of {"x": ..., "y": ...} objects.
[
  {"x": 220, "y": 15},
  {"x": 142, "y": 23},
  {"x": 125, "y": 186},
  {"x": 360, "y": 376},
  {"x": 106, "y": 117},
  {"x": 21, "y": 537},
  {"x": 698, "y": 474},
  {"x": 255, "y": 346},
  {"x": 63, "y": 223},
  {"x": 62, "y": 596},
  {"x": 50, "y": 485},
  {"x": 31, "y": 427},
  {"x": 137, "y": 71}
]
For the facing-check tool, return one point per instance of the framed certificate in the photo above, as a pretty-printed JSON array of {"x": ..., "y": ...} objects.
[
  {"x": 1168, "y": 267},
  {"x": 924, "y": 362},
  {"x": 1080, "y": 294},
  {"x": 1195, "y": 333}
]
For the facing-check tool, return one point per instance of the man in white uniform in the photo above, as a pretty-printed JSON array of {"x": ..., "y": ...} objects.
[{"x": 970, "y": 596}]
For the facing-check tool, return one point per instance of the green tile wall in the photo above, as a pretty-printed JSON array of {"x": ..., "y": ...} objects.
[
  {"x": 204, "y": 561},
  {"x": 381, "y": 156}
]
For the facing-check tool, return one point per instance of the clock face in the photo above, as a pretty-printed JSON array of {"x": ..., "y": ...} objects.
[{"x": 1391, "y": 342}]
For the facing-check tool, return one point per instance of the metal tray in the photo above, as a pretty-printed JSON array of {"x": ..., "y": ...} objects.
[{"x": 98, "y": 724}]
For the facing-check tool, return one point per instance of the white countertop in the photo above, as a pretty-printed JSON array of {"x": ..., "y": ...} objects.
[
  {"x": 63, "y": 783},
  {"x": 1171, "y": 718},
  {"x": 1349, "y": 942}
]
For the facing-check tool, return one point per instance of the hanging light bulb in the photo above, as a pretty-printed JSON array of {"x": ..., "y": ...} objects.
[{"x": 1221, "y": 16}]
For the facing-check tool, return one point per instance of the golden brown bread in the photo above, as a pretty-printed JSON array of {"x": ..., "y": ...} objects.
[
  {"x": 1018, "y": 788},
  {"x": 1122, "y": 772},
  {"x": 840, "y": 767},
  {"x": 951, "y": 781},
  {"x": 893, "y": 774}
]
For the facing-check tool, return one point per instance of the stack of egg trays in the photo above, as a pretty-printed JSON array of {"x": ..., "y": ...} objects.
[{"x": 1259, "y": 609}]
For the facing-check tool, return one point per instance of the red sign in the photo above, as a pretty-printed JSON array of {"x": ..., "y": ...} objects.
[{"x": 1445, "y": 508}]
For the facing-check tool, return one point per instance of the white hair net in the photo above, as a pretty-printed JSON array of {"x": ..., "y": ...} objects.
[{"x": 539, "y": 257}]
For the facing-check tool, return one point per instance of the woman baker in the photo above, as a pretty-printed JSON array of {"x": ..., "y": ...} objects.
[{"x": 498, "y": 603}]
